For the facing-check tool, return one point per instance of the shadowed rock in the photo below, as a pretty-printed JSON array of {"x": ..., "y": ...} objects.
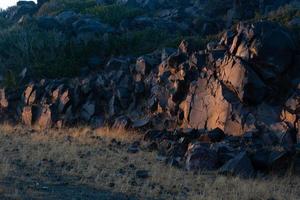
[{"x": 240, "y": 165}]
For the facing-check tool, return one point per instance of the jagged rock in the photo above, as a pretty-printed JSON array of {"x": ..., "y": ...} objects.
[
  {"x": 23, "y": 8},
  {"x": 186, "y": 47},
  {"x": 216, "y": 55},
  {"x": 3, "y": 99},
  {"x": 207, "y": 105},
  {"x": 241, "y": 79},
  {"x": 27, "y": 115},
  {"x": 182, "y": 95},
  {"x": 29, "y": 94},
  {"x": 64, "y": 99},
  {"x": 201, "y": 157},
  {"x": 240, "y": 165},
  {"x": 197, "y": 60},
  {"x": 267, "y": 45},
  {"x": 87, "y": 111},
  {"x": 142, "y": 66},
  {"x": 45, "y": 118}
]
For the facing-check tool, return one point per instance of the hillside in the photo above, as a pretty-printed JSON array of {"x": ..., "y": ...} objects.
[{"x": 208, "y": 85}]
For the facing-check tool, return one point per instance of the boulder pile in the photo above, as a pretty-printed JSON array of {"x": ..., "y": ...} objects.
[{"x": 233, "y": 106}]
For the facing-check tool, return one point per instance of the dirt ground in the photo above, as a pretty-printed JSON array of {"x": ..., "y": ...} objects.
[{"x": 80, "y": 163}]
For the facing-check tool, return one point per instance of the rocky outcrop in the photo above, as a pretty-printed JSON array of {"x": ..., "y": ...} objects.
[{"x": 223, "y": 107}]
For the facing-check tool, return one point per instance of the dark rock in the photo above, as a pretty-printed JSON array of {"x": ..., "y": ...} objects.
[
  {"x": 241, "y": 79},
  {"x": 48, "y": 23},
  {"x": 240, "y": 165},
  {"x": 97, "y": 122},
  {"x": 197, "y": 60},
  {"x": 134, "y": 147},
  {"x": 26, "y": 3},
  {"x": 210, "y": 28},
  {"x": 201, "y": 157},
  {"x": 84, "y": 25},
  {"x": 67, "y": 18},
  {"x": 267, "y": 45},
  {"x": 142, "y": 174},
  {"x": 117, "y": 64},
  {"x": 23, "y": 8},
  {"x": 87, "y": 111},
  {"x": 95, "y": 62},
  {"x": 140, "y": 123},
  {"x": 152, "y": 135},
  {"x": 186, "y": 47},
  {"x": 216, "y": 135}
]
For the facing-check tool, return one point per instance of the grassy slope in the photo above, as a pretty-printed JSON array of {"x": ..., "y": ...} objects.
[{"x": 95, "y": 160}]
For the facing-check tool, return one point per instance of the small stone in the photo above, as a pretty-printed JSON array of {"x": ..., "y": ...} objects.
[{"x": 142, "y": 174}]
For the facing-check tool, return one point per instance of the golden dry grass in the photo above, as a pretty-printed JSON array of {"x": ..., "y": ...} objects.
[{"x": 97, "y": 161}]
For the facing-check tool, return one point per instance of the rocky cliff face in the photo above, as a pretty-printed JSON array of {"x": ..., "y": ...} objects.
[{"x": 228, "y": 105}]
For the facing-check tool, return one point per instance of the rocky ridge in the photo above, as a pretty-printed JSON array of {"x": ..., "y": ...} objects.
[{"x": 232, "y": 106}]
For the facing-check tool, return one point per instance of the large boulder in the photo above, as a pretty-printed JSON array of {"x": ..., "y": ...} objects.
[
  {"x": 206, "y": 106},
  {"x": 265, "y": 44},
  {"x": 44, "y": 120},
  {"x": 87, "y": 29},
  {"x": 201, "y": 157},
  {"x": 67, "y": 18},
  {"x": 27, "y": 115},
  {"x": 48, "y": 23},
  {"x": 3, "y": 99},
  {"x": 240, "y": 165},
  {"x": 22, "y": 8},
  {"x": 242, "y": 80}
]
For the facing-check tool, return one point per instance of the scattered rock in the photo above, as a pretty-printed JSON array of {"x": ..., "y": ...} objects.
[
  {"x": 142, "y": 174},
  {"x": 240, "y": 165},
  {"x": 201, "y": 157}
]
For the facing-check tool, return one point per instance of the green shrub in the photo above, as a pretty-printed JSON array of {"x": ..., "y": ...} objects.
[
  {"x": 56, "y": 6},
  {"x": 113, "y": 14},
  {"x": 45, "y": 53},
  {"x": 137, "y": 42}
]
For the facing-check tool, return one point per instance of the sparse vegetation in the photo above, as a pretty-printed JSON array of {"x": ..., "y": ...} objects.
[
  {"x": 113, "y": 14},
  {"x": 99, "y": 159},
  {"x": 45, "y": 53}
]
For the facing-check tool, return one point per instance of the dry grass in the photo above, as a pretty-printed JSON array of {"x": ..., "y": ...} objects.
[{"x": 100, "y": 162}]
